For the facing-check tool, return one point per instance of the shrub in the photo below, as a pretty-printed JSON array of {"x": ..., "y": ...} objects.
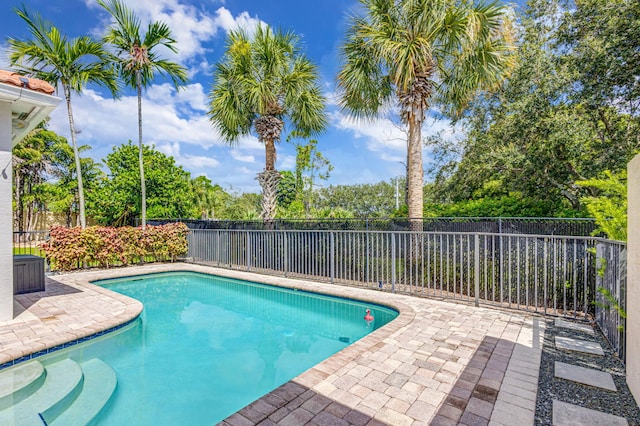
[
  {"x": 609, "y": 208},
  {"x": 73, "y": 248}
]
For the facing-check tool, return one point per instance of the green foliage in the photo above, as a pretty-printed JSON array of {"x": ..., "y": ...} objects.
[
  {"x": 364, "y": 200},
  {"x": 70, "y": 63},
  {"x": 567, "y": 113},
  {"x": 137, "y": 56},
  {"x": 210, "y": 201},
  {"x": 609, "y": 207},
  {"x": 513, "y": 205},
  {"x": 287, "y": 189},
  {"x": 71, "y": 248},
  {"x": 611, "y": 303},
  {"x": 244, "y": 206},
  {"x": 137, "y": 61},
  {"x": 44, "y": 178},
  {"x": 262, "y": 81},
  {"x": 118, "y": 200},
  {"x": 418, "y": 54},
  {"x": 265, "y": 75}
]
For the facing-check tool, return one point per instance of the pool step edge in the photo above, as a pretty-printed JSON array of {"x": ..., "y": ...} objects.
[
  {"x": 100, "y": 382},
  {"x": 62, "y": 384},
  {"x": 18, "y": 382}
]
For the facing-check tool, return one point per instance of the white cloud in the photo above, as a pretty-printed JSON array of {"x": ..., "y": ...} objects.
[
  {"x": 103, "y": 119},
  {"x": 228, "y": 22},
  {"x": 245, "y": 158},
  {"x": 286, "y": 162},
  {"x": 191, "y": 27},
  {"x": 379, "y": 134},
  {"x": 175, "y": 122},
  {"x": 383, "y": 134}
]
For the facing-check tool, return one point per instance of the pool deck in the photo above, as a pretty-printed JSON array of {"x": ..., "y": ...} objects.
[{"x": 438, "y": 363}]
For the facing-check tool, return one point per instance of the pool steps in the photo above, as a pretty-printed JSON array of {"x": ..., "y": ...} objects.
[
  {"x": 64, "y": 393},
  {"x": 99, "y": 385},
  {"x": 19, "y": 382}
]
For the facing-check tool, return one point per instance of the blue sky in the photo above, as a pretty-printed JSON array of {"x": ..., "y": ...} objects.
[{"x": 176, "y": 122}]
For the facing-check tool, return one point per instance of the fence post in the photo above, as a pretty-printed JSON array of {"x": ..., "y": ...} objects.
[
  {"x": 286, "y": 253},
  {"x": 218, "y": 246},
  {"x": 393, "y": 262},
  {"x": 248, "y": 251},
  {"x": 332, "y": 240},
  {"x": 476, "y": 268}
]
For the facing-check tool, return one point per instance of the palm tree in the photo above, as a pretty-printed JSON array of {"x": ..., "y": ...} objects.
[
  {"x": 261, "y": 82},
  {"x": 138, "y": 62},
  {"x": 419, "y": 52},
  {"x": 70, "y": 64}
]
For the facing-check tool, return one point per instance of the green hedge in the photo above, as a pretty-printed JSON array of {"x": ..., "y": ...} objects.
[{"x": 97, "y": 246}]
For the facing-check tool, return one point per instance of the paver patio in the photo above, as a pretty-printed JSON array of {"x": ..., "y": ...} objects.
[{"x": 439, "y": 362}]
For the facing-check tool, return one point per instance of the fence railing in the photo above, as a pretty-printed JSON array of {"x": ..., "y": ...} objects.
[
  {"x": 495, "y": 225},
  {"x": 540, "y": 273},
  {"x": 28, "y": 242},
  {"x": 611, "y": 293}
]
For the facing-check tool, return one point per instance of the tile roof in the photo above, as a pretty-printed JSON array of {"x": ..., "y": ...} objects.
[{"x": 35, "y": 84}]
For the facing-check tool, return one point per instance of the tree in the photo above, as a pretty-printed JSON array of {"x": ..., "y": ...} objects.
[
  {"x": 288, "y": 190},
  {"x": 119, "y": 198},
  {"x": 260, "y": 82},
  {"x": 363, "y": 200},
  {"x": 63, "y": 185},
  {"x": 33, "y": 161},
  {"x": 609, "y": 207},
  {"x": 310, "y": 163},
  {"x": 210, "y": 201},
  {"x": 138, "y": 62},
  {"x": 598, "y": 43},
  {"x": 421, "y": 53},
  {"x": 548, "y": 128},
  {"x": 71, "y": 64}
]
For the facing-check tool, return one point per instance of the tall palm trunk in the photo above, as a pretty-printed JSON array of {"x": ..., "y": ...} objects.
[
  {"x": 268, "y": 180},
  {"x": 76, "y": 154},
  {"x": 415, "y": 175},
  {"x": 143, "y": 188}
]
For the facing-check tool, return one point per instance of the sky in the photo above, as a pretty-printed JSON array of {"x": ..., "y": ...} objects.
[{"x": 176, "y": 122}]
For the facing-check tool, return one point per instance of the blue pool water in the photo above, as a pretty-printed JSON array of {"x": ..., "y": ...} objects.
[{"x": 206, "y": 346}]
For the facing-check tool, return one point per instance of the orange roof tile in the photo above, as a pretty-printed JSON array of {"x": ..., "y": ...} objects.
[{"x": 13, "y": 78}]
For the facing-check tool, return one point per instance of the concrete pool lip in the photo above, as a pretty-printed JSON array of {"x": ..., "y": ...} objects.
[{"x": 433, "y": 362}]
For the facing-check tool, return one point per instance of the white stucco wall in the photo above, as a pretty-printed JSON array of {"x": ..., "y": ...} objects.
[
  {"x": 633, "y": 278},
  {"x": 6, "y": 225}
]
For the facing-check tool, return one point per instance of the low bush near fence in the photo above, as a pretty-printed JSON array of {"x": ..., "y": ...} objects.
[{"x": 95, "y": 246}]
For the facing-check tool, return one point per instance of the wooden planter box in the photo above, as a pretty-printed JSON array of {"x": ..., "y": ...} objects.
[{"x": 28, "y": 273}]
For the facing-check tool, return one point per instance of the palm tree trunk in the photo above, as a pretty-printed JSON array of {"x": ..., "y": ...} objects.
[
  {"x": 76, "y": 154},
  {"x": 415, "y": 175},
  {"x": 270, "y": 155},
  {"x": 143, "y": 188},
  {"x": 268, "y": 180}
]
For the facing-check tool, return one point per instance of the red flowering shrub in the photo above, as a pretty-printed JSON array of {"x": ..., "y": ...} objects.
[{"x": 73, "y": 248}]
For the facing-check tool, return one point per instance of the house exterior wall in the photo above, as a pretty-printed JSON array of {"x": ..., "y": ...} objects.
[
  {"x": 633, "y": 278},
  {"x": 6, "y": 225}
]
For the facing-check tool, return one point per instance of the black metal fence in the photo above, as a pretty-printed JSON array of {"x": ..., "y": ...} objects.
[{"x": 509, "y": 225}]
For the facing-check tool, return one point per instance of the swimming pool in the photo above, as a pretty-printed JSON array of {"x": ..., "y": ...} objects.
[{"x": 206, "y": 346}]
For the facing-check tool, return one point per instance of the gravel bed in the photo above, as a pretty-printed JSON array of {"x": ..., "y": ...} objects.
[{"x": 620, "y": 403}]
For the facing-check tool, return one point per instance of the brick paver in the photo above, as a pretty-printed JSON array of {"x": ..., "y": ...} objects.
[{"x": 437, "y": 363}]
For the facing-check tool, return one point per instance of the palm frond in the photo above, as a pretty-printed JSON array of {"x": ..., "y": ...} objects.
[
  {"x": 265, "y": 75},
  {"x": 136, "y": 53}
]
